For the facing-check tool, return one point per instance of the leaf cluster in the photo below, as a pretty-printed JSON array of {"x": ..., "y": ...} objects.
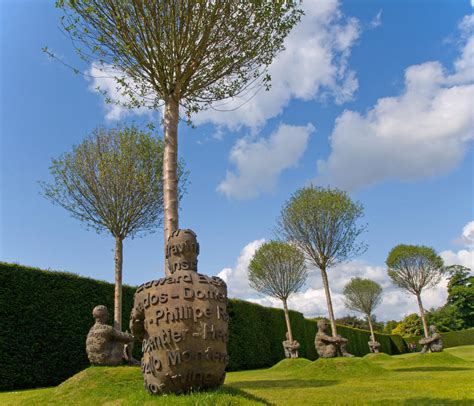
[
  {"x": 196, "y": 52},
  {"x": 112, "y": 181},
  {"x": 362, "y": 295},
  {"x": 277, "y": 269},
  {"x": 322, "y": 222},
  {"x": 415, "y": 267}
]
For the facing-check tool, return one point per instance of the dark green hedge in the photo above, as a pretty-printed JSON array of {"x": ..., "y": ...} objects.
[
  {"x": 451, "y": 339},
  {"x": 45, "y": 317}
]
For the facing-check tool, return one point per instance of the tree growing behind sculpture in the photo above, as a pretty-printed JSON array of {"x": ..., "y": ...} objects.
[
  {"x": 112, "y": 182},
  {"x": 414, "y": 268},
  {"x": 363, "y": 295},
  {"x": 323, "y": 224},
  {"x": 278, "y": 269},
  {"x": 179, "y": 53}
]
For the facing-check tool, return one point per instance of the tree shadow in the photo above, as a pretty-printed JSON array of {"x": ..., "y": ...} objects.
[
  {"x": 283, "y": 383},
  {"x": 233, "y": 391},
  {"x": 427, "y": 401},
  {"x": 431, "y": 369}
]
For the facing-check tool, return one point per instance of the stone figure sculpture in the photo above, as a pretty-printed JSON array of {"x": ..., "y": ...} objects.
[
  {"x": 327, "y": 346},
  {"x": 291, "y": 347},
  {"x": 105, "y": 345},
  {"x": 374, "y": 346},
  {"x": 434, "y": 342},
  {"x": 183, "y": 322}
]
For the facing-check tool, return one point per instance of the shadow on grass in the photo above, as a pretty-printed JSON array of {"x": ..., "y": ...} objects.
[
  {"x": 283, "y": 383},
  {"x": 431, "y": 369},
  {"x": 238, "y": 392},
  {"x": 427, "y": 401}
]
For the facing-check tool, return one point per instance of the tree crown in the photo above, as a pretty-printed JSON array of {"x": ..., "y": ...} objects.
[
  {"x": 194, "y": 51},
  {"x": 112, "y": 181},
  {"x": 415, "y": 267},
  {"x": 322, "y": 222},
  {"x": 362, "y": 295},
  {"x": 277, "y": 269}
]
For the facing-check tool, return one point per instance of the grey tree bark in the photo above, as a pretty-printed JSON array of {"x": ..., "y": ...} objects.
[
  {"x": 332, "y": 319},
  {"x": 287, "y": 318},
  {"x": 170, "y": 170},
  {"x": 118, "y": 283},
  {"x": 422, "y": 314}
]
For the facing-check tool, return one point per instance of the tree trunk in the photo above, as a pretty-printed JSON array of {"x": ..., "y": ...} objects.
[
  {"x": 372, "y": 335},
  {"x": 422, "y": 314},
  {"x": 324, "y": 275},
  {"x": 118, "y": 284},
  {"x": 170, "y": 170},
  {"x": 288, "y": 324}
]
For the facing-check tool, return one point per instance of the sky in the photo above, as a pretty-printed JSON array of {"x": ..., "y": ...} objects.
[{"x": 373, "y": 97}]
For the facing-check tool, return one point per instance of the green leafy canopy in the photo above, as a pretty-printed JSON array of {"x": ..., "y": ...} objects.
[
  {"x": 277, "y": 269},
  {"x": 362, "y": 295},
  {"x": 415, "y": 267}
]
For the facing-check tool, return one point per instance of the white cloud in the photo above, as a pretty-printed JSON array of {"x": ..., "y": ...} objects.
[
  {"x": 464, "y": 257},
  {"x": 377, "y": 20},
  {"x": 313, "y": 65},
  {"x": 103, "y": 78},
  {"x": 423, "y": 132},
  {"x": 311, "y": 301},
  {"x": 259, "y": 162},
  {"x": 236, "y": 278}
]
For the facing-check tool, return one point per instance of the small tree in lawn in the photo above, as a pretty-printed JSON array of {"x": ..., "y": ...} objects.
[
  {"x": 278, "y": 270},
  {"x": 322, "y": 223},
  {"x": 363, "y": 295},
  {"x": 184, "y": 53},
  {"x": 414, "y": 268},
  {"x": 112, "y": 181}
]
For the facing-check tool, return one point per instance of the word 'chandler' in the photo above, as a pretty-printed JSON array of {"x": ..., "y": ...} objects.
[{"x": 182, "y": 321}]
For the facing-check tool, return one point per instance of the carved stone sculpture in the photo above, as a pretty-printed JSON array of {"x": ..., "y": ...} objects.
[
  {"x": 291, "y": 347},
  {"x": 374, "y": 346},
  {"x": 434, "y": 342},
  {"x": 183, "y": 322},
  {"x": 327, "y": 346},
  {"x": 105, "y": 345}
]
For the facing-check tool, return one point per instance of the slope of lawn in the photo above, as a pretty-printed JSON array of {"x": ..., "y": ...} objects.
[{"x": 408, "y": 379}]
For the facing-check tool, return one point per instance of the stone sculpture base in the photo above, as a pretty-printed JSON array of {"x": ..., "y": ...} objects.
[
  {"x": 374, "y": 346},
  {"x": 185, "y": 321}
]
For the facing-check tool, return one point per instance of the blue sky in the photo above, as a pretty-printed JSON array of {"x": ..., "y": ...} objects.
[{"x": 375, "y": 97}]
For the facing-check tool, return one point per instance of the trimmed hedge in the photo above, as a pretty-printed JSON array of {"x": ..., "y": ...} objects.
[
  {"x": 450, "y": 339},
  {"x": 45, "y": 317}
]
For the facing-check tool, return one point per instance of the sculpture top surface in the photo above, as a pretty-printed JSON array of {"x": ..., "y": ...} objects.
[{"x": 182, "y": 250}]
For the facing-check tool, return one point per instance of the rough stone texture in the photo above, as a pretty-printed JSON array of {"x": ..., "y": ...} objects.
[
  {"x": 183, "y": 322},
  {"x": 374, "y": 346},
  {"x": 104, "y": 344},
  {"x": 433, "y": 343},
  {"x": 327, "y": 346},
  {"x": 291, "y": 347}
]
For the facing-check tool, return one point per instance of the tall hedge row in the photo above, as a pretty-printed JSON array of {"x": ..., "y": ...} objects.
[{"x": 45, "y": 317}]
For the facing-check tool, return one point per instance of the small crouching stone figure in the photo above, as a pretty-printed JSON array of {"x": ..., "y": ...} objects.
[
  {"x": 291, "y": 347},
  {"x": 434, "y": 342},
  {"x": 105, "y": 345},
  {"x": 327, "y": 346},
  {"x": 374, "y": 346}
]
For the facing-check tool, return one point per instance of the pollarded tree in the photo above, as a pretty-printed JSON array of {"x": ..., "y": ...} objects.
[
  {"x": 180, "y": 53},
  {"x": 323, "y": 224},
  {"x": 278, "y": 270},
  {"x": 414, "y": 268},
  {"x": 112, "y": 181},
  {"x": 363, "y": 295}
]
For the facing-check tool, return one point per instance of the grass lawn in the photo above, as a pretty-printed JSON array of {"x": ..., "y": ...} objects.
[{"x": 410, "y": 379}]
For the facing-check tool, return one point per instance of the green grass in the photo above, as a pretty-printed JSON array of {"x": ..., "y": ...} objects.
[{"x": 410, "y": 379}]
